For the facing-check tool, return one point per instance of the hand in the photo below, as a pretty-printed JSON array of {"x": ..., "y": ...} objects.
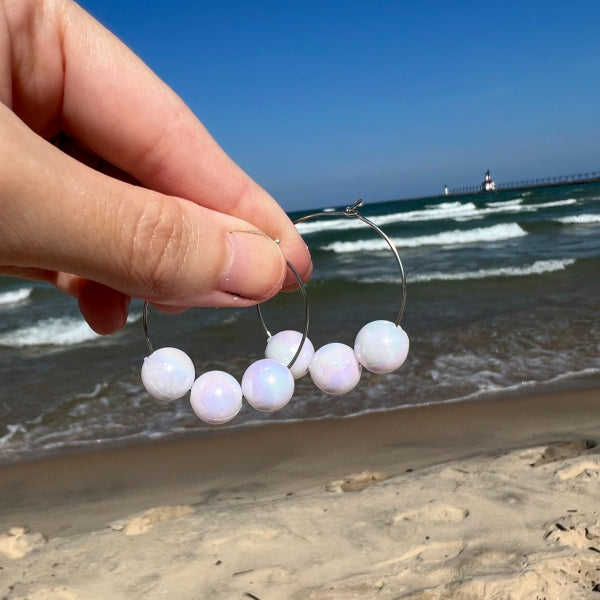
[{"x": 135, "y": 198}]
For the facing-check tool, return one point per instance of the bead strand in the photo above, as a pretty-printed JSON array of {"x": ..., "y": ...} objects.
[{"x": 268, "y": 384}]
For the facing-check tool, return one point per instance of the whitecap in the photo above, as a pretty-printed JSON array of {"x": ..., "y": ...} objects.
[
  {"x": 457, "y": 211},
  {"x": 506, "y": 203},
  {"x": 133, "y": 318},
  {"x": 445, "y": 238},
  {"x": 64, "y": 331},
  {"x": 537, "y": 268},
  {"x": 446, "y": 210},
  {"x": 567, "y": 202},
  {"x": 579, "y": 219},
  {"x": 15, "y": 296}
]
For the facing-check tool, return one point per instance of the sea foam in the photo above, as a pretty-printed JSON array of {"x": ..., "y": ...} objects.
[
  {"x": 15, "y": 296},
  {"x": 537, "y": 268},
  {"x": 579, "y": 219},
  {"x": 446, "y": 210},
  {"x": 567, "y": 202},
  {"x": 445, "y": 238},
  {"x": 457, "y": 211},
  {"x": 506, "y": 203},
  {"x": 55, "y": 331}
]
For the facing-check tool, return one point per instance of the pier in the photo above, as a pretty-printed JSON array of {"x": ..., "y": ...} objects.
[{"x": 532, "y": 183}]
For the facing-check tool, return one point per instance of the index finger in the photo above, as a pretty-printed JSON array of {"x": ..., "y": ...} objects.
[{"x": 117, "y": 107}]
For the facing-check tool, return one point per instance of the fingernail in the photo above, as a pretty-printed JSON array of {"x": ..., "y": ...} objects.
[{"x": 256, "y": 267}]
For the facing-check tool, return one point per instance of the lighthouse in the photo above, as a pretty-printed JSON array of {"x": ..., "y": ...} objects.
[{"x": 488, "y": 184}]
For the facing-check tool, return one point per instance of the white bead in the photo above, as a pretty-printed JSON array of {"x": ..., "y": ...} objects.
[
  {"x": 216, "y": 397},
  {"x": 381, "y": 347},
  {"x": 334, "y": 369},
  {"x": 168, "y": 373},
  {"x": 267, "y": 385},
  {"x": 283, "y": 345}
]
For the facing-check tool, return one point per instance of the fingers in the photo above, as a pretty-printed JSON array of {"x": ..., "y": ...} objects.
[
  {"x": 61, "y": 215},
  {"x": 119, "y": 109},
  {"x": 104, "y": 308},
  {"x": 69, "y": 73}
]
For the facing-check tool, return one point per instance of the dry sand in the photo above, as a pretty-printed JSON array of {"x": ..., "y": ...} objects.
[{"x": 494, "y": 500}]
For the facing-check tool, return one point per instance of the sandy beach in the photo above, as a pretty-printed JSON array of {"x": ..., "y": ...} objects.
[
  {"x": 492, "y": 500},
  {"x": 412, "y": 189}
]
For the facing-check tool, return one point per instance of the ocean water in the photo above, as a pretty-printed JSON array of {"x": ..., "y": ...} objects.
[{"x": 503, "y": 299}]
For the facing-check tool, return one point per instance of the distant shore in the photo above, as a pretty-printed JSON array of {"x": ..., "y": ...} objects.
[{"x": 557, "y": 181}]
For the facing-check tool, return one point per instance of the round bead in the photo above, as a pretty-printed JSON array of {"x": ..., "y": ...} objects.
[
  {"x": 283, "y": 345},
  {"x": 334, "y": 368},
  {"x": 267, "y": 385},
  {"x": 381, "y": 347},
  {"x": 216, "y": 397},
  {"x": 168, "y": 373}
]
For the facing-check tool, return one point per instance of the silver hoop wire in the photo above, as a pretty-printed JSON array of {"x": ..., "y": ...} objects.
[
  {"x": 306, "y": 318},
  {"x": 306, "y": 315},
  {"x": 350, "y": 212}
]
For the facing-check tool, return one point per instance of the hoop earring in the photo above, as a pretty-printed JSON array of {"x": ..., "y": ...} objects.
[
  {"x": 216, "y": 396},
  {"x": 380, "y": 346}
]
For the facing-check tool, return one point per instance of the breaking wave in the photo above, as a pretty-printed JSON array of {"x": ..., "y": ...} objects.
[
  {"x": 579, "y": 219},
  {"x": 53, "y": 331},
  {"x": 446, "y": 210},
  {"x": 537, "y": 268},
  {"x": 15, "y": 296},
  {"x": 445, "y": 238}
]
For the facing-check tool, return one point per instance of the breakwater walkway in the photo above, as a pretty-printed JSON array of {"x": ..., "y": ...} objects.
[{"x": 530, "y": 183}]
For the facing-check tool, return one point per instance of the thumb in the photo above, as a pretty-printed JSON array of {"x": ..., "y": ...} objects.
[{"x": 58, "y": 214}]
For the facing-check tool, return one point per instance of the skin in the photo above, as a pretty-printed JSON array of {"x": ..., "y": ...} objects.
[{"x": 110, "y": 188}]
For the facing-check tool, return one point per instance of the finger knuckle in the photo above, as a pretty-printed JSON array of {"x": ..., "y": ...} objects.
[{"x": 158, "y": 246}]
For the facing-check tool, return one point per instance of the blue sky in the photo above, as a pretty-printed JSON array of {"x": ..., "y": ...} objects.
[{"x": 325, "y": 102}]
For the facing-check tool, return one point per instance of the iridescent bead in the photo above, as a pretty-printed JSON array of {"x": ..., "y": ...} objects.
[
  {"x": 283, "y": 345},
  {"x": 334, "y": 369},
  {"x": 267, "y": 385},
  {"x": 168, "y": 373},
  {"x": 216, "y": 397},
  {"x": 381, "y": 347}
]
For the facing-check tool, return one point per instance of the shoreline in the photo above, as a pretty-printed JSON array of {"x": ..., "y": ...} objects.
[
  {"x": 584, "y": 382},
  {"x": 99, "y": 485}
]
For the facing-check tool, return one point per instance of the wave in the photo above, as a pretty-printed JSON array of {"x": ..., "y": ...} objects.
[
  {"x": 579, "y": 219},
  {"x": 54, "y": 331},
  {"x": 15, "y": 296},
  {"x": 446, "y": 210},
  {"x": 457, "y": 211},
  {"x": 567, "y": 202},
  {"x": 494, "y": 233},
  {"x": 516, "y": 206},
  {"x": 489, "y": 384},
  {"x": 61, "y": 331},
  {"x": 537, "y": 268},
  {"x": 133, "y": 318},
  {"x": 506, "y": 203}
]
